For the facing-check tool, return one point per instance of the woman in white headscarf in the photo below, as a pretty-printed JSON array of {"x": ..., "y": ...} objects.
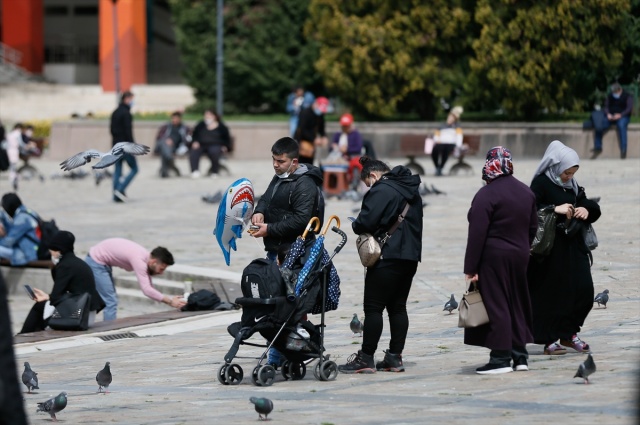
[{"x": 560, "y": 284}]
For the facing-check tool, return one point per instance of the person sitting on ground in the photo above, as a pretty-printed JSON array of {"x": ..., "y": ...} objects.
[
  {"x": 128, "y": 255},
  {"x": 172, "y": 139},
  {"x": 18, "y": 237},
  {"x": 70, "y": 275},
  {"x": 446, "y": 139},
  {"x": 210, "y": 137}
]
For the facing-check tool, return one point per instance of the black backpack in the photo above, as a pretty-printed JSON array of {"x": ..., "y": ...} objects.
[
  {"x": 262, "y": 279},
  {"x": 46, "y": 229},
  {"x": 202, "y": 300}
]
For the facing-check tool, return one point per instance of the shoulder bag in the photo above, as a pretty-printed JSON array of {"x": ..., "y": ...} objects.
[
  {"x": 370, "y": 248},
  {"x": 472, "y": 310},
  {"x": 72, "y": 313},
  {"x": 546, "y": 233}
]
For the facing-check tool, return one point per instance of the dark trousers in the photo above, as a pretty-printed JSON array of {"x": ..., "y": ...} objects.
[
  {"x": 505, "y": 356},
  {"x": 214, "y": 152},
  {"x": 387, "y": 286},
  {"x": 34, "y": 321},
  {"x": 440, "y": 154},
  {"x": 166, "y": 159}
]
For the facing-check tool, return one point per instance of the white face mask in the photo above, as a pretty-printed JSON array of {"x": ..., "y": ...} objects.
[
  {"x": 209, "y": 121},
  {"x": 55, "y": 260},
  {"x": 286, "y": 173}
]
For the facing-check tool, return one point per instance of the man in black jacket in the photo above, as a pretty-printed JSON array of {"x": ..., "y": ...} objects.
[{"x": 122, "y": 131}]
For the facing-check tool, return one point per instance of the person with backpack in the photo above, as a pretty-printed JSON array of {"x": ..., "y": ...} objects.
[
  {"x": 293, "y": 197},
  {"x": 19, "y": 238}
]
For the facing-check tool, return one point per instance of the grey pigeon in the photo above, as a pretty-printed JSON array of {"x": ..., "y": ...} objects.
[
  {"x": 424, "y": 190},
  {"x": 53, "y": 405},
  {"x": 436, "y": 191},
  {"x": 106, "y": 158},
  {"x": 30, "y": 378},
  {"x": 264, "y": 406},
  {"x": 451, "y": 305},
  {"x": 602, "y": 298},
  {"x": 585, "y": 369},
  {"x": 213, "y": 199},
  {"x": 356, "y": 326},
  {"x": 103, "y": 378}
]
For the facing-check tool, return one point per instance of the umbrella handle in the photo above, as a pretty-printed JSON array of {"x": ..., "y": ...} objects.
[
  {"x": 342, "y": 243},
  {"x": 310, "y": 224},
  {"x": 328, "y": 225}
]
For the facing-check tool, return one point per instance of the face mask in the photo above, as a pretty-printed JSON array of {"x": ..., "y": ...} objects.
[
  {"x": 55, "y": 260},
  {"x": 286, "y": 173},
  {"x": 616, "y": 95},
  {"x": 28, "y": 133},
  {"x": 131, "y": 104},
  {"x": 209, "y": 121},
  {"x": 318, "y": 112}
]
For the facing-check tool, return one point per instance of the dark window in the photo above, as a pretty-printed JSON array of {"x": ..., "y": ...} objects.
[
  {"x": 56, "y": 10},
  {"x": 85, "y": 10}
]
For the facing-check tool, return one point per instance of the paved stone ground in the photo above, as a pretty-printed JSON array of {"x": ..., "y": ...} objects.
[{"x": 167, "y": 376}]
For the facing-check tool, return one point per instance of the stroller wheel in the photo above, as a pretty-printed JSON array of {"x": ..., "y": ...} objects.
[
  {"x": 263, "y": 376},
  {"x": 284, "y": 370},
  {"x": 221, "y": 373},
  {"x": 297, "y": 370},
  {"x": 233, "y": 374},
  {"x": 327, "y": 371}
]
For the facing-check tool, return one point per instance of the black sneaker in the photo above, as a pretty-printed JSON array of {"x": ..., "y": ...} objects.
[
  {"x": 494, "y": 369},
  {"x": 358, "y": 363},
  {"x": 520, "y": 364},
  {"x": 120, "y": 195},
  {"x": 391, "y": 363},
  {"x": 595, "y": 153}
]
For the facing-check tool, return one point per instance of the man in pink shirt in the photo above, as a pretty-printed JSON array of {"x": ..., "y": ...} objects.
[{"x": 128, "y": 255}]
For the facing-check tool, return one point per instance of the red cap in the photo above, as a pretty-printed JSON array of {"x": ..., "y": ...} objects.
[
  {"x": 323, "y": 104},
  {"x": 346, "y": 119}
]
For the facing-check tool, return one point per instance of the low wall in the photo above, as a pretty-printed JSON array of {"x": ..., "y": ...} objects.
[{"x": 254, "y": 139}]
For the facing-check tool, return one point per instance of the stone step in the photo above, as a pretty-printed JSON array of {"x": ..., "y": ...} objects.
[{"x": 166, "y": 286}]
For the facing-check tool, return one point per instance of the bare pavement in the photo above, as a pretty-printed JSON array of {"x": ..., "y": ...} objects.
[{"x": 168, "y": 374}]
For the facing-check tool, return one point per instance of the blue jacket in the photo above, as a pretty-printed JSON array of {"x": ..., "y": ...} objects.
[
  {"x": 308, "y": 99},
  {"x": 20, "y": 236}
]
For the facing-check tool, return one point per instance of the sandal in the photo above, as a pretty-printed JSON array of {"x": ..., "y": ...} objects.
[
  {"x": 554, "y": 349},
  {"x": 576, "y": 343}
]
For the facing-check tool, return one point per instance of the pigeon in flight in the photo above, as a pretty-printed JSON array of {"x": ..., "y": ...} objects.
[
  {"x": 53, "y": 405},
  {"x": 451, "y": 305},
  {"x": 264, "y": 406},
  {"x": 30, "y": 378},
  {"x": 106, "y": 158},
  {"x": 585, "y": 369},
  {"x": 103, "y": 378},
  {"x": 602, "y": 298},
  {"x": 356, "y": 326}
]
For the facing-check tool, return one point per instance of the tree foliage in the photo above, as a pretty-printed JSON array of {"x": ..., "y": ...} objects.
[
  {"x": 265, "y": 51},
  {"x": 545, "y": 54},
  {"x": 374, "y": 54}
]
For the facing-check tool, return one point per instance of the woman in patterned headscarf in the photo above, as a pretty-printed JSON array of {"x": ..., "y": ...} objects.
[
  {"x": 561, "y": 284},
  {"x": 502, "y": 225}
]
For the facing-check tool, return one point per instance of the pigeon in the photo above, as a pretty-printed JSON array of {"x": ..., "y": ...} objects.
[
  {"x": 451, "y": 305},
  {"x": 602, "y": 298},
  {"x": 436, "y": 191},
  {"x": 103, "y": 378},
  {"x": 424, "y": 190},
  {"x": 53, "y": 405},
  {"x": 264, "y": 406},
  {"x": 30, "y": 378},
  {"x": 585, "y": 369},
  {"x": 356, "y": 326},
  {"x": 106, "y": 158},
  {"x": 213, "y": 199}
]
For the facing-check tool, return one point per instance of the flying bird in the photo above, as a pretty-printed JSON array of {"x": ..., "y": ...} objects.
[
  {"x": 585, "y": 369},
  {"x": 106, "y": 158},
  {"x": 356, "y": 326},
  {"x": 264, "y": 406},
  {"x": 602, "y": 298},
  {"x": 451, "y": 305},
  {"x": 53, "y": 405},
  {"x": 30, "y": 378},
  {"x": 103, "y": 378}
]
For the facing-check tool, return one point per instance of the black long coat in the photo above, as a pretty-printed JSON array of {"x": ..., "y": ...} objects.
[
  {"x": 560, "y": 284},
  {"x": 502, "y": 225},
  {"x": 74, "y": 276}
]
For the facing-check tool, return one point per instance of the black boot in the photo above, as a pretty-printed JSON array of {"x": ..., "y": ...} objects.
[{"x": 391, "y": 363}]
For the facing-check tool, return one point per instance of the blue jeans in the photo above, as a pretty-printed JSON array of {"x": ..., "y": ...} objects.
[
  {"x": 621, "y": 128},
  {"x": 105, "y": 287},
  {"x": 293, "y": 125},
  {"x": 121, "y": 186}
]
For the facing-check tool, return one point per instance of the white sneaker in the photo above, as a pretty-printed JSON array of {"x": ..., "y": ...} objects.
[
  {"x": 214, "y": 175},
  {"x": 195, "y": 174}
]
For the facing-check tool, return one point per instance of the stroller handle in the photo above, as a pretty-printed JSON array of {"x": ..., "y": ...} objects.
[
  {"x": 309, "y": 226},
  {"x": 343, "y": 242},
  {"x": 326, "y": 228}
]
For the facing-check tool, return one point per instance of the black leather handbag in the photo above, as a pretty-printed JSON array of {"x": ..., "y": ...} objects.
[{"x": 72, "y": 313}]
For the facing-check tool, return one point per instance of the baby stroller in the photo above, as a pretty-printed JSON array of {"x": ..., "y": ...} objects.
[{"x": 275, "y": 303}]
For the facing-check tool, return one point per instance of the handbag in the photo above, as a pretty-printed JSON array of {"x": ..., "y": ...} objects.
[
  {"x": 590, "y": 238},
  {"x": 546, "y": 233},
  {"x": 72, "y": 313},
  {"x": 472, "y": 310},
  {"x": 370, "y": 248}
]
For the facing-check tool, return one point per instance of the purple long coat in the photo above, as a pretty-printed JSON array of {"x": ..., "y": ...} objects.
[{"x": 502, "y": 225}]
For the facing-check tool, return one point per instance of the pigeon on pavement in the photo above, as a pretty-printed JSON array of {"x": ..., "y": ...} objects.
[
  {"x": 264, "y": 406},
  {"x": 585, "y": 369},
  {"x": 424, "y": 190},
  {"x": 103, "y": 378},
  {"x": 451, "y": 305},
  {"x": 602, "y": 298},
  {"x": 213, "y": 199},
  {"x": 436, "y": 191},
  {"x": 356, "y": 326},
  {"x": 106, "y": 158},
  {"x": 53, "y": 405},
  {"x": 30, "y": 378}
]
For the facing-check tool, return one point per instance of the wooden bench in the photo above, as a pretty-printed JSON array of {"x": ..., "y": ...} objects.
[
  {"x": 470, "y": 145},
  {"x": 412, "y": 146},
  {"x": 37, "y": 264}
]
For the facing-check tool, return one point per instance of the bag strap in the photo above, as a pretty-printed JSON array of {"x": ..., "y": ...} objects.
[{"x": 393, "y": 228}]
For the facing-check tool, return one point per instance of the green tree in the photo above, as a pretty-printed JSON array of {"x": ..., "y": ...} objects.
[
  {"x": 545, "y": 54},
  {"x": 265, "y": 51},
  {"x": 379, "y": 55}
]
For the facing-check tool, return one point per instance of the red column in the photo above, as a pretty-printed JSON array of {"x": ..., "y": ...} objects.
[
  {"x": 22, "y": 29},
  {"x": 132, "y": 43}
]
